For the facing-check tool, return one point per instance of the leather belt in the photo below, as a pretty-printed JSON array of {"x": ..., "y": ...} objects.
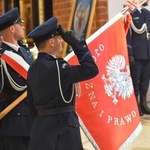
[{"x": 55, "y": 111}]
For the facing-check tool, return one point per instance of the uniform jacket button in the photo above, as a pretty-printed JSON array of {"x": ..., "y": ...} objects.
[
  {"x": 18, "y": 114},
  {"x": 84, "y": 46}
]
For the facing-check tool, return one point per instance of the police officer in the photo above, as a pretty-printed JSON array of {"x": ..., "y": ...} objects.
[
  {"x": 139, "y": 54},
  {"x": 16, "y": 125},
  {"x": 50, "y": 89}
]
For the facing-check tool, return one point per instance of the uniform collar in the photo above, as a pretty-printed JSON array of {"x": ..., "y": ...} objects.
[
  {"x": 15, "y": 47},
  {"x": 46, "y": 55}
]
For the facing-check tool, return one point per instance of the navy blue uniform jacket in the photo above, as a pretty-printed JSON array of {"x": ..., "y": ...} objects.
[
  {"x": 139, "y": 42},
  {"x": 44, "y": 93},
  {"x": 17, "y": 122}
]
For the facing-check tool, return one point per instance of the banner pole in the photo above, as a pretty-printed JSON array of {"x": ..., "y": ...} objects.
[{"x": 12, "y": 105}]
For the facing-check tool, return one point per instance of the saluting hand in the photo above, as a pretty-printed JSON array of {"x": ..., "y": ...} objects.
[{"x": 67, "y": 36}]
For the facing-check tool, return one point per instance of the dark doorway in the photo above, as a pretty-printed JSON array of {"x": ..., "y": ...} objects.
[
  {"x": 35, "y": 13},
  {"x": 48, "y": 11},
  {"x": 9, "y": 4}
]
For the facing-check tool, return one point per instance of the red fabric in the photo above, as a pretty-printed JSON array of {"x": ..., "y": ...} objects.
[
  {"x": 109, "y": 124},
  {"x": 15, "y": 65},
  {"x": 128, "y": 20}
]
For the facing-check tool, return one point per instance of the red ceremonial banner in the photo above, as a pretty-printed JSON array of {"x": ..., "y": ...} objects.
[{"x": 106, "y": 104}]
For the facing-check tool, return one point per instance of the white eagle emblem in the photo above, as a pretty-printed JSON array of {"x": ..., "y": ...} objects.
[{"x": 119, "y": 82}]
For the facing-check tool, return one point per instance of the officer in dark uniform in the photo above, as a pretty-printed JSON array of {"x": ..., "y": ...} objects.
[
  {"x": 16, "y": 125},
  {"x": 50, "y": 88},
  {"x": 138, "y": 39}
]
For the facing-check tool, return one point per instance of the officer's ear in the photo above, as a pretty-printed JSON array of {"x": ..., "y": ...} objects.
[
  {"x": 51, "y": 42},
  {"x": 11, "y": 28}
]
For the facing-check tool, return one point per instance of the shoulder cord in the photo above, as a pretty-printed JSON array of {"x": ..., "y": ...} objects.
[
  {"x": 11, "y": 81},
  {"x": 141, "y": 30},
  {"x": 60, "y": 88}
]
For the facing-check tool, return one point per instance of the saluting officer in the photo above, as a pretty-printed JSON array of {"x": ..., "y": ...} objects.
[
  {"x": 50, "y": 88},
  {"x": 139, "y": 54},
  {"x": 16, "y": 125}
]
